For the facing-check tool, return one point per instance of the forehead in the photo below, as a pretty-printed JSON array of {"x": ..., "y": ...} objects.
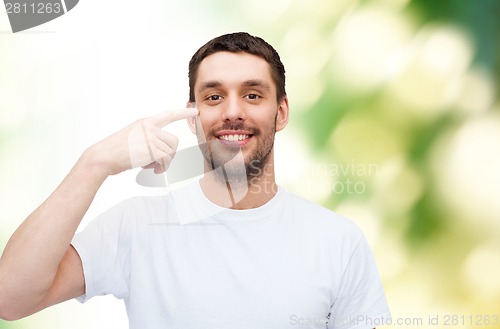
[{"x": 233, "y": 69}]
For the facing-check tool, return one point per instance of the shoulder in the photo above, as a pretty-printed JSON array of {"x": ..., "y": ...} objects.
[
  {"x": 320, "y": 219},
  {"x": 322, "y": 231},
  {"x": 161, "y": 209},
  {"x": 146, "y": 205},
  {"x": 126, "y": 213}
]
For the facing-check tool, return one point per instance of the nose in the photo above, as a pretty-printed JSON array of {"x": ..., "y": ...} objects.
[{"x": 233, "y": 110}]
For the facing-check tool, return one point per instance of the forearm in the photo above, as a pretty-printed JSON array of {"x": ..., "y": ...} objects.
[{"x": 31, "y": 258}]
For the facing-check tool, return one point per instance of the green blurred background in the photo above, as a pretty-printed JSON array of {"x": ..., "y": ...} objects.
[{"x": 395, "y": 123}]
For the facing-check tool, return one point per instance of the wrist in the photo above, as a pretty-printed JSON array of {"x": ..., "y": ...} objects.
[{"x": 93, "y": 163}]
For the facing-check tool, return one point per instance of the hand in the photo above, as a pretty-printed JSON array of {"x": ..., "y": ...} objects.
[{"x": 141, "y": 144}]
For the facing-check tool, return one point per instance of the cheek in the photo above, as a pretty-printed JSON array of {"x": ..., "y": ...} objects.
[
  {"x": 206, "y": 122},
  {"x": 208, "y": 116},
  {"x": 268, "y": 121}
]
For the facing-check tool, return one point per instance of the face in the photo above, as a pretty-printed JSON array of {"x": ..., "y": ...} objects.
[{"x": 238, "y": 111}]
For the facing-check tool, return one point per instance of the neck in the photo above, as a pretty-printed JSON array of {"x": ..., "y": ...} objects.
[{"x": 254, "y": 193}]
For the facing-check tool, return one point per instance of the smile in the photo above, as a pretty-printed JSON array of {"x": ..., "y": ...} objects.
[{"x": 232, "y": 138}]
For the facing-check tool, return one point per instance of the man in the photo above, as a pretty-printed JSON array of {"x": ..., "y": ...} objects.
[{"x": 232, "y": 250}]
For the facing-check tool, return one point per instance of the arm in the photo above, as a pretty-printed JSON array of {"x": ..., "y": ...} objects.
[
  {"x": 38, "y": 267},
  {"x": 30, "y": 262}
]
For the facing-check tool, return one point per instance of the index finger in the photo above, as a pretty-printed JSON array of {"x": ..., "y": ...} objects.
[{"x": 162, "y": 119}]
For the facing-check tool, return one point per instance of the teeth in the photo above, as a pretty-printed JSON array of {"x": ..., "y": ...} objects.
[{"x": 233, "y": 138}]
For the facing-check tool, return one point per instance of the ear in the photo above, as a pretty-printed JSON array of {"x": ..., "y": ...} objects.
[
  {"x": 282, "y": 116},
  {"x": 192, "y": 120}
]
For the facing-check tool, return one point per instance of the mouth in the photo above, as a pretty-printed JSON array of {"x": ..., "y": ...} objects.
[{"x": 234, "y": 138}]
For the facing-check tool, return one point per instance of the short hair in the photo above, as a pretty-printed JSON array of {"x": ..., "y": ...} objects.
[{"x": 236, "y": 43}]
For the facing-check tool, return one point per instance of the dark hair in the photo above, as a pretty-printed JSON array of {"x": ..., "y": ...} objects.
[{"x": 235, "y": 43}]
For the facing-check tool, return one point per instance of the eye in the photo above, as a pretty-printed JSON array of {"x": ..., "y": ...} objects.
[
  {"x": 253, "y": 96},
  {"x": 214, "y": 98}
]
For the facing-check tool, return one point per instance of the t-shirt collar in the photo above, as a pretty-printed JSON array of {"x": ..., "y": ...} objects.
[{"x": 196, "y": 207}]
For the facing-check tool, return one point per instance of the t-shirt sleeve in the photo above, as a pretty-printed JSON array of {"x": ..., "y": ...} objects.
[
  {"x": 361, "y": 301},
  {"x": 103, "y": 248}
]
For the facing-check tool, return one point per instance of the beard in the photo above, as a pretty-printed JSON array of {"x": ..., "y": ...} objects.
[{"x": 229, "y": 164}]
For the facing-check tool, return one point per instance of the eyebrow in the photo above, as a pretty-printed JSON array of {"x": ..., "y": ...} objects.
[
  {"x": 248, "y": 83},
  {"x": 209, "y": 84},
  {"x": 256, "y": 83}
]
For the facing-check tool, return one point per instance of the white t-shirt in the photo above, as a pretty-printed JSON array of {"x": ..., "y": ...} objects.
[{"x": 287, "y": 264}]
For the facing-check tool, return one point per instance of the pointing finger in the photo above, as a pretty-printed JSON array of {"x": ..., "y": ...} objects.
[{"x": 165, "y": 118}]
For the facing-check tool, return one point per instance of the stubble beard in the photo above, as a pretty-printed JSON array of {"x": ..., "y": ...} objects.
[{"x": 229, "y": 165}]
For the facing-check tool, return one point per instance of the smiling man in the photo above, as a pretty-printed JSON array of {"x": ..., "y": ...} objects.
[{"x": 232, "y": 250}]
